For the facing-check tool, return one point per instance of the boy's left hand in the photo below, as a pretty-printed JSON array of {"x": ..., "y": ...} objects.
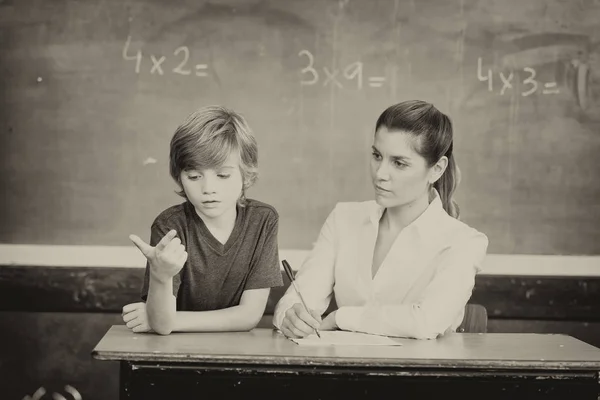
[
  {"x": 136, "y": 318},
  {"x": 328, "y": 323}
]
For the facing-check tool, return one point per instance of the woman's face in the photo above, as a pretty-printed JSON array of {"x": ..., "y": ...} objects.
[{"x": 399, "y": 174}]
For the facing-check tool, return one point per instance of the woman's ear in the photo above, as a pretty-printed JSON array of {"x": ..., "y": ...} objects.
[{"x": 437, "y": 170}]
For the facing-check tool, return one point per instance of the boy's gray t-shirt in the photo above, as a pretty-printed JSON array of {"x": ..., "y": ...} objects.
[{"x": 215, "y": 275}]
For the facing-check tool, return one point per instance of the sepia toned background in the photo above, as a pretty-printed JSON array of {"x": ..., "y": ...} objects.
[{"x": 92, "y": 90}]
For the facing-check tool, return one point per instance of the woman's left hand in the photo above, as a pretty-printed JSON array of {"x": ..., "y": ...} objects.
[{"x": 328, "y": 323}]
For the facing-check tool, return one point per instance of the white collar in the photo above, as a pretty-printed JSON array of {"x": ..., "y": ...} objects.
[{"x": 428, "y": 221}]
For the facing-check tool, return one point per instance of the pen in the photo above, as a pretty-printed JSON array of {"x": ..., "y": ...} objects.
[{"x": 290, "y": 274}]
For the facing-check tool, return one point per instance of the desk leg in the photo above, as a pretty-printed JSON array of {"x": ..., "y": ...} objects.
[{"x": 124, "y": 380}]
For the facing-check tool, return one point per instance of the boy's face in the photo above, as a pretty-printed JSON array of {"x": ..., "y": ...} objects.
[{"x": 214, "y": 191}]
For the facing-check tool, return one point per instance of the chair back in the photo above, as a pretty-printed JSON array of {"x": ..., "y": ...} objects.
[{"x": 475, "y": 319}]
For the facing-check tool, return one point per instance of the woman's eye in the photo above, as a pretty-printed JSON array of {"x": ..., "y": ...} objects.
[{"x": 223, "y": 176}]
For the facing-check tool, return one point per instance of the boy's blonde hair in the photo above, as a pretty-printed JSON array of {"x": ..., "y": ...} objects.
[{"x": 206, "y": 139}]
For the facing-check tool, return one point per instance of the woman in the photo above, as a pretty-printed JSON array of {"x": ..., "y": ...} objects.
[{"x": 402, "y": 265}]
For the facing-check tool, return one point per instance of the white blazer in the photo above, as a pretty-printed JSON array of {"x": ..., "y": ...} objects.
[{"x": 419, "y": 291}]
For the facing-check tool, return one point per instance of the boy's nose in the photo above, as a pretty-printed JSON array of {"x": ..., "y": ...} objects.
[{"x": 208, "y": 186}]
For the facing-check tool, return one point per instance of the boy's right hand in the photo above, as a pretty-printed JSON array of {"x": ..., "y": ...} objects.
[
  {"x": 167, "y": 258},
  {"x": 298, "y": 323}
]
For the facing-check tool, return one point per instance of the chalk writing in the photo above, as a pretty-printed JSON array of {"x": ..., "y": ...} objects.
[
  {"x": 334, "y": 77},
  {"x": 331, "y": 77},
  {"x": 581, "y": 82},
  {"x": 529, "y": 84},
  {"x": 550, "y": 88},
  {"x": 149, "y": 160},
  {"x": 181, "y": 56},
  {"x": 354, "y": 71},
  {"x": 180, "y": 68},
  {"x": 530, "y": 80},
  {"x": 137, "y": 57},
  {"x": 309, "y": 69},
  {"x": 376, "y": 81}
]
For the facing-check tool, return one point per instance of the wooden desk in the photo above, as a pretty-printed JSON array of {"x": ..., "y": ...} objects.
[{"x": 264, "y": 363}]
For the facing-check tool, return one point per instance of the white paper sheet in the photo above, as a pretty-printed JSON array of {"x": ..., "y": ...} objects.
[{"x": 344, "y": 338}]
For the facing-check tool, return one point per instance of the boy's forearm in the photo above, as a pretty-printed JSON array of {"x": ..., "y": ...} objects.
[
  {"x": 236, "y": 318},
  {"x": 161, "y": 305}
]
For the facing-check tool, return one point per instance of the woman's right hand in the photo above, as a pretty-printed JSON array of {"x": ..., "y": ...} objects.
[{"x": 298, "y": 323}]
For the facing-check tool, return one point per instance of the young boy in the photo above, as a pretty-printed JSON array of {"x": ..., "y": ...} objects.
[{"x": 213, "y": 258}]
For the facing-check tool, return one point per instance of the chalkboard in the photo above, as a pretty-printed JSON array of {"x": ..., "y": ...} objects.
[{"x": 92, "y": 90}]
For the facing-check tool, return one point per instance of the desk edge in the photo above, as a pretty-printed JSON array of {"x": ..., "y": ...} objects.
[{"x": 333, "y": 362}]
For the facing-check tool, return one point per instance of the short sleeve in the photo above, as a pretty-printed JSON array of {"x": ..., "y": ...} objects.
[
  {"x": 157, "y": 231},
  {"x": 265, "y": 272}
]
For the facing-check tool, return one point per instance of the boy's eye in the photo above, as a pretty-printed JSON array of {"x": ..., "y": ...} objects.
[
  {"x": 376, "y": 156},
  {"x": 224, "y": 176},
  {"x": 193, "y": 177}
]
